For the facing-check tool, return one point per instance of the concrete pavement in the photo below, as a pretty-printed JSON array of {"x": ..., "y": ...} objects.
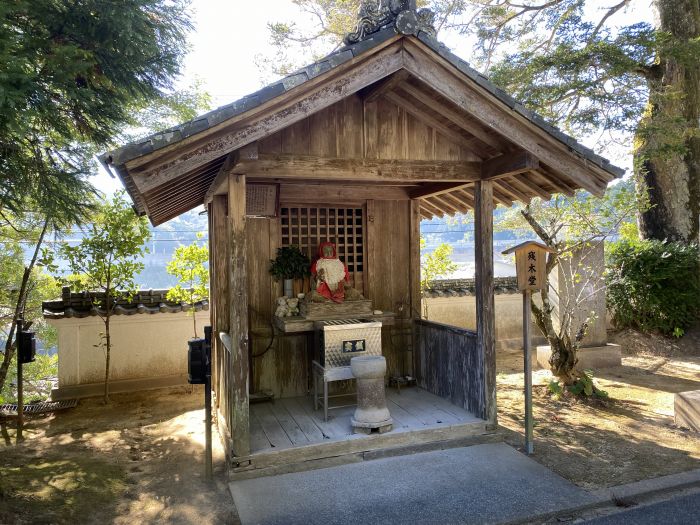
[{"x": 489, "y": 483}]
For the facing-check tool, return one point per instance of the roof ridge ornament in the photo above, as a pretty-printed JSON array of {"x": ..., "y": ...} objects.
[{"x": 375, "y": 15}]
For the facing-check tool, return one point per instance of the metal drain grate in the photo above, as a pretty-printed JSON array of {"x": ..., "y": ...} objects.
[{"x": 40, "y": 408}]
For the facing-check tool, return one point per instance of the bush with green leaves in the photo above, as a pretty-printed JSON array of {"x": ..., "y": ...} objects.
[
  {"x": 290, "y": 263},
  {"x": 653, "y": 286}
]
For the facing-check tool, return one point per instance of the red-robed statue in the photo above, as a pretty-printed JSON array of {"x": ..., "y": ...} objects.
[{"x": 329, "y": 273}]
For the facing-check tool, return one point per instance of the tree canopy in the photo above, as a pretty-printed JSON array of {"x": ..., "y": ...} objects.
[{"x": 71, "y": 74}]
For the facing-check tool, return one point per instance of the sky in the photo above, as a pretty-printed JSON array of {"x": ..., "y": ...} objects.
[{"x": 229, "y": 36}]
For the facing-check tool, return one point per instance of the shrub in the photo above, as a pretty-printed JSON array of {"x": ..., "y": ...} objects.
[{"x": 653, "y": 285}]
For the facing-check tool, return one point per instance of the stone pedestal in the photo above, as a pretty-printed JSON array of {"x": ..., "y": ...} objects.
[
  {"x": 372, "y": 412},
  {"x": 686, "y": 409},
  {"x": 594, "y": 357}
]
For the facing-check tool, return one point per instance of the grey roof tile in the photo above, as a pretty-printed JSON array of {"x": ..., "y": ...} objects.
[
  {"x": 316, "y": 69},
  {"x": 294, "y": 80},
  {"x": 194, "y": 126},
  {"x": 271, "y": 91}
]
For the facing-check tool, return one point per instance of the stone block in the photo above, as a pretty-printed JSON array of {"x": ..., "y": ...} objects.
[
  {"x": 686, "y": 408},
  {"x": 594, "y": 357}
]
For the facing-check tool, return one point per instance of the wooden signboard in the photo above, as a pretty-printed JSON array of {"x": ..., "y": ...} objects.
[
  {"x": 530, "y": 264},
  {"x": 262, "y": 200},
  {"x": 531, "y": 269}
]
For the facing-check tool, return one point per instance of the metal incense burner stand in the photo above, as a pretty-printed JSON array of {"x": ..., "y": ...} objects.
[{"x": 337, "y": 342}]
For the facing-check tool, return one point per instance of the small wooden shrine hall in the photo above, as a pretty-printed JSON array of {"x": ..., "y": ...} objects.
[{"x": 354, "y": 149}]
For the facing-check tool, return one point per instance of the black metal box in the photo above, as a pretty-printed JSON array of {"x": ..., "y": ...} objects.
[
  {"x": 197, "y": 362},
  {"x": 26, "y": 347}
]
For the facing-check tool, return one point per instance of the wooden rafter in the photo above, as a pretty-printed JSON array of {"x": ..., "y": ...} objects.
[
  {"x": 431, "y": 121},
  {"x": 463, "y": 122},
  {"x": 373, "y": 92},
  {"x": 508, "y": 189},
  {"x": 523, "y": 182}
]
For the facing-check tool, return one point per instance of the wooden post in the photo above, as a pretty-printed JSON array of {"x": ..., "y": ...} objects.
[
  {"x": 414, "y": 276},
  {"x": 485, "y": 314},
  {"x": 238, "y": 325},
  {"x": 219, "y": 290}
]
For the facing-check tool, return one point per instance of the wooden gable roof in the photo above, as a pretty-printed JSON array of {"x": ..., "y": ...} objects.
[{"x": 173, "y": 171}]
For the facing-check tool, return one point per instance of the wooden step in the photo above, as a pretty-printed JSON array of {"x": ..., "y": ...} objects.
[{"x": 363, "y": 448}]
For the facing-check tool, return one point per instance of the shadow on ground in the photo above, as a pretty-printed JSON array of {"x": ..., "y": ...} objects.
[{"x": 138, "y": 459}]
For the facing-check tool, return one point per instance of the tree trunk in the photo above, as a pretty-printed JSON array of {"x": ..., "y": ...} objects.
[
  {"x": 667, "y": 154},
  {"x": 10, "y": 343}
]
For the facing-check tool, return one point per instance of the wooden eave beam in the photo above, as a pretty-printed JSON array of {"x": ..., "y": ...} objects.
[
  {"x": 334, "y": 168},
  {"x": 372, "y": 93},
  {"x": 431, "y": 121},
  {"x": 508, "y": 164},
  {"x": 436, "y": 72},
  {"x": 438, "y": 188}
]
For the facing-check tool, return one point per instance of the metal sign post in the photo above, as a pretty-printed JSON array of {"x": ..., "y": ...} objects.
[
  {"x": 208, "y": 470},
  {"x": 531, "y": 271},
  {"x": 199, "y": 373},
  {"x": 528, "y": 372},
  {"x": 20, "y": 382}
]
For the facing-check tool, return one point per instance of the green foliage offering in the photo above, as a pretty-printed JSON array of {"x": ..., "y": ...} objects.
[
  {"x": 189, "y": 266},
  {"x": 290, "y": 263},
  {"x": 108, "y": 260},
  {"x": 653, "y": 285}
]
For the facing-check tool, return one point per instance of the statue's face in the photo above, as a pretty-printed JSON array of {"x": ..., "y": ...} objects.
[{"x": 328, "y": 251}]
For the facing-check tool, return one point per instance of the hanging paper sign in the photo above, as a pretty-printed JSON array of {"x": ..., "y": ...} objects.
[{"x": 530, "y": 264}]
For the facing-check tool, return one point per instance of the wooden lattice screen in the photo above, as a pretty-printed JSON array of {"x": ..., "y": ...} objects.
[{"x": 307, "y": 227}]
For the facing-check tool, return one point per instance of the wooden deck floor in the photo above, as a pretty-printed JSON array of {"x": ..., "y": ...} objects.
[{"x": 292, "y": 423}]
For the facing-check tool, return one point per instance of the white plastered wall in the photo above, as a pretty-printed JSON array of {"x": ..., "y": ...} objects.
[{"x": 143, "y": 346}]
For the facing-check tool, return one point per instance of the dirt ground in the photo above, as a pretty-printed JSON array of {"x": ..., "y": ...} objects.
[
  {"x": 137, "y": 460},
  {"x": 631, "y": 436},
  {"x": 140, "y": 458}
]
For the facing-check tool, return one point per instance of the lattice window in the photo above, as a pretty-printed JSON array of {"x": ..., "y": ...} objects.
[{"x": 307, "y": 227}]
